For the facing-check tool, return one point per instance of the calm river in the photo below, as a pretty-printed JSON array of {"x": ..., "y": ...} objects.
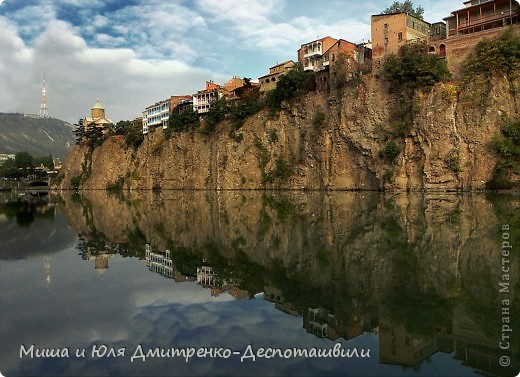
[{"x": 239, "y": 283}]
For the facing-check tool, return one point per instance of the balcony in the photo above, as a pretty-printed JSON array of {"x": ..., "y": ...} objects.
[
  {"x": 312, "y": 49},
  {"x": 477, "y": 23}
]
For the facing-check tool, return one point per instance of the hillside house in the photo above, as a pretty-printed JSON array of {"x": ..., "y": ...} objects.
[
  {"x": 467, "y": 26},
  {"x": 268, "y": 82},
  {"x": 322, "y": 53},
  {"x": 391, "y": 31},
  {"x": 204, "y": 100},
  {"x": 481, "y": 15},
  {"x": 156, "y": 115}
]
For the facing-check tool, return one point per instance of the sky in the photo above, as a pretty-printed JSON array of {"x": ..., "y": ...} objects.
[{"x": 133, "y": 53}]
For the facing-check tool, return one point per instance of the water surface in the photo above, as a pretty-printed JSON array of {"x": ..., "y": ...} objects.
[{"x": 410, "y": 280}]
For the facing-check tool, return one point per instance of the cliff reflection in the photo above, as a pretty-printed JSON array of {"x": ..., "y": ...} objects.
[{"x": 421, "y": 271}]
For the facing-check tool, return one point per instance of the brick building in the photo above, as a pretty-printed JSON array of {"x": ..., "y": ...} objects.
[
  {"x": 467, "y": 26},
  {"x": 310, "y": 54},
  {"x": 391, "y": 31}
]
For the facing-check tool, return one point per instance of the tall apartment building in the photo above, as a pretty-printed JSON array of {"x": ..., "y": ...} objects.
[{"x": 391, "y": 31}]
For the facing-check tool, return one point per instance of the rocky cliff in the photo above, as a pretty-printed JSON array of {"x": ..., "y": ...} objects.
[{"x": 446, "y": 147}]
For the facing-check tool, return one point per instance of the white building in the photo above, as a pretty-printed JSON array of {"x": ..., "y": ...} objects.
[
  {"x": 160, "y": 263},
  {"x": 156, "y": 115},
  {"x": 204, "y": 100}
]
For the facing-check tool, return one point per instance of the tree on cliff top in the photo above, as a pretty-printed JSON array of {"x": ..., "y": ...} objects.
[{"x": 407, "y": 7}]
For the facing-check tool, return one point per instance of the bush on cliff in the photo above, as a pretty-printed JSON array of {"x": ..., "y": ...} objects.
[
  {"x": 507, "y": 145},
  {"x": 181, "y": 122},
  {"x": 290, "y": 85},
  {"x": 501, "y": 55},
  {"x": 414, "y": 67},
  {"x": 134, "y": 136}
]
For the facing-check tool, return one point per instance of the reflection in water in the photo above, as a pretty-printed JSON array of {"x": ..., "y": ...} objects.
[
  {"x": 31, "y": 226},
  {"x": 418, "y": 271}
]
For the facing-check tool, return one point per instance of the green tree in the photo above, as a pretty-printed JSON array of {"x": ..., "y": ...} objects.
[
  {"x": 182, "y": 121},
  {"x": 407, "y": 7},
  {"x": 122, "y": 127},
  {"x": 93, "y": 136},
  {"x": 290, "y": 85},
  {"x": 23, "y": 160},
  {"x": 501, "y": 55},
  {"x": 134, "y": 136},
  {"x": 215, "y": 115},
  {"x": 414, "y": 67},
  {"x": 46, "y": 161},
  {"x": 8, "y": 169},
  {"x": 78, "y": 132}
]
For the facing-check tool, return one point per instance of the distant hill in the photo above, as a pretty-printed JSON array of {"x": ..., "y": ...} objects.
[{"x": 37, "y": 136}]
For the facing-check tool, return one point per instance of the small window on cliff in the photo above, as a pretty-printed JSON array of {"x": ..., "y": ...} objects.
[{"x": 400, "y": 37}]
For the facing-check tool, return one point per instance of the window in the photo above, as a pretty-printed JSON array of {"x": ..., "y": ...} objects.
[
  {"x": 332, "y": 57},
  {"x": 386, "y": 41},
  {"x": 400, "y": 37},
  {"x": 385, "y": 26}
]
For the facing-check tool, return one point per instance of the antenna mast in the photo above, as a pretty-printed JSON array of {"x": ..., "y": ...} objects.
[{"x": 43, "y": 106}]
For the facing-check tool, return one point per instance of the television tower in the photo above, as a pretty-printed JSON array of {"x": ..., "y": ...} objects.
[{"x": 43, "y": 106}]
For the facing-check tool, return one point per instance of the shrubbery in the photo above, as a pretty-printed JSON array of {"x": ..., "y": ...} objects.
[
  {"x": 290, "y": 85},
  {"x": 501, "y": 55},
  {"x": 507, "y": 145},
  {"x": 390, "y": 151},
  {"x": 414, "y": 67},
  {"x": 134, "y": 136},
  {"x": 181, "y": 122}
]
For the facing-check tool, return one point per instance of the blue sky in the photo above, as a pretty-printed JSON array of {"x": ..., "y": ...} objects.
[{"x": 132, "y": 53}]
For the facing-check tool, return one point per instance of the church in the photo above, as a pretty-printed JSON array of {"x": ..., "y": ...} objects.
[{"x": 97, "y": 118}]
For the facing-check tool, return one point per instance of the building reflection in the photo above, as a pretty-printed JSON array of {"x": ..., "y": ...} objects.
[
  {"x": 162, "y": 264},
  {"x": 347, "y": 318},
  {"x": 205, "y": 275},
  {"x": 397, "y": 344}
]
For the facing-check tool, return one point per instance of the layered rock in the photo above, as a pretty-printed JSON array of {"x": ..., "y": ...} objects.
[{"x": 448, "y": 147}]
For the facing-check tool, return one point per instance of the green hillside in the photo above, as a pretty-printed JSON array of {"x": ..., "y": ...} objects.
[{"x": 37, "y": 136}]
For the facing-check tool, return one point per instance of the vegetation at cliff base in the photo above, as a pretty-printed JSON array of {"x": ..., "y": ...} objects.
[
  {"x": 23, "y": 165},
  {"x": 507, "y": 145}
]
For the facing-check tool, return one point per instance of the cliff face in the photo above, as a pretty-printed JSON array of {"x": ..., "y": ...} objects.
[{"x": 448, "y": 146}]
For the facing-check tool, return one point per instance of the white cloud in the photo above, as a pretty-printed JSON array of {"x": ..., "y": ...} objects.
[
  {"x": 78, "y": 74},
  {"x": 138, "y": 54}
]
